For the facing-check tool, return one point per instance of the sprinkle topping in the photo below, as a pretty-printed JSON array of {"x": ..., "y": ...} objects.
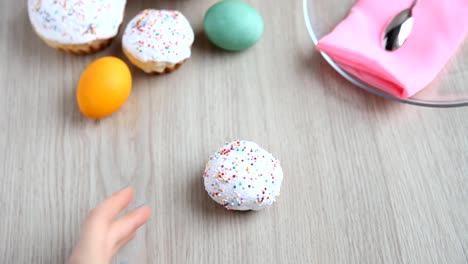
[
  {"x": 243, "y": 176},
  {"x": 159, "y": 35},
  {"x": 76, "y": 21}
]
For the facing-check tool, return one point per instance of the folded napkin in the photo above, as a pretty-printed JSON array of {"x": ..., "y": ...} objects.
[{"x": 356, "y": 43}]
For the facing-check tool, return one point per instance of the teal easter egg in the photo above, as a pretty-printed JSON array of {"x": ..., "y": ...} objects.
[{"x": 233, "y": 25}]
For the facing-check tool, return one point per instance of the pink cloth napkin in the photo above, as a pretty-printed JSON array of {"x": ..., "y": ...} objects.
[{"x": 356, "y": 43}]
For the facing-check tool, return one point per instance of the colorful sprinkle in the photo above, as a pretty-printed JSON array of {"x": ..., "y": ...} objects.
[
  {"x": 235, "y": 173},
  {"x": 76, "y": 21}
]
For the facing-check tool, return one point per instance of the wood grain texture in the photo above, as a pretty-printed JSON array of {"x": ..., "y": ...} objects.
[{"x": 366, "y": 180}]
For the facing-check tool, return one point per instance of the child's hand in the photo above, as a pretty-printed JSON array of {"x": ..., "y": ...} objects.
[{"x": 102, "y": 235}]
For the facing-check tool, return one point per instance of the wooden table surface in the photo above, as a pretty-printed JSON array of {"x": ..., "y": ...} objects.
[{"x": 366, "y": 180}]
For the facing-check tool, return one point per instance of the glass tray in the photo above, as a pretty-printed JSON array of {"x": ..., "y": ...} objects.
[{"x": 449, "y": 89}]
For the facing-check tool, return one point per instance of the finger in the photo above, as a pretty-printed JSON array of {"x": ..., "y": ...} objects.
[
  {"x": 109, "y": 209},
  {"x": 129, "y": 223},
  {"x": 123, "y": 243}
]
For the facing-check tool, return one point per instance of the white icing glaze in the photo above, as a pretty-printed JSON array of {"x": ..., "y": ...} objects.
[
  {"x": 159, "y": 36},
  {"x": 243, "y": 176},
  {"x": 76, "y": 21}
]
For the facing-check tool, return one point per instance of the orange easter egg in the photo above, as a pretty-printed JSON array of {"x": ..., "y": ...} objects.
[{"x": 104, "y": 87}]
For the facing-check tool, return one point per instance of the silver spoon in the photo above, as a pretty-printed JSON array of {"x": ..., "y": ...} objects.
[{"x": 399, "y": 29}]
